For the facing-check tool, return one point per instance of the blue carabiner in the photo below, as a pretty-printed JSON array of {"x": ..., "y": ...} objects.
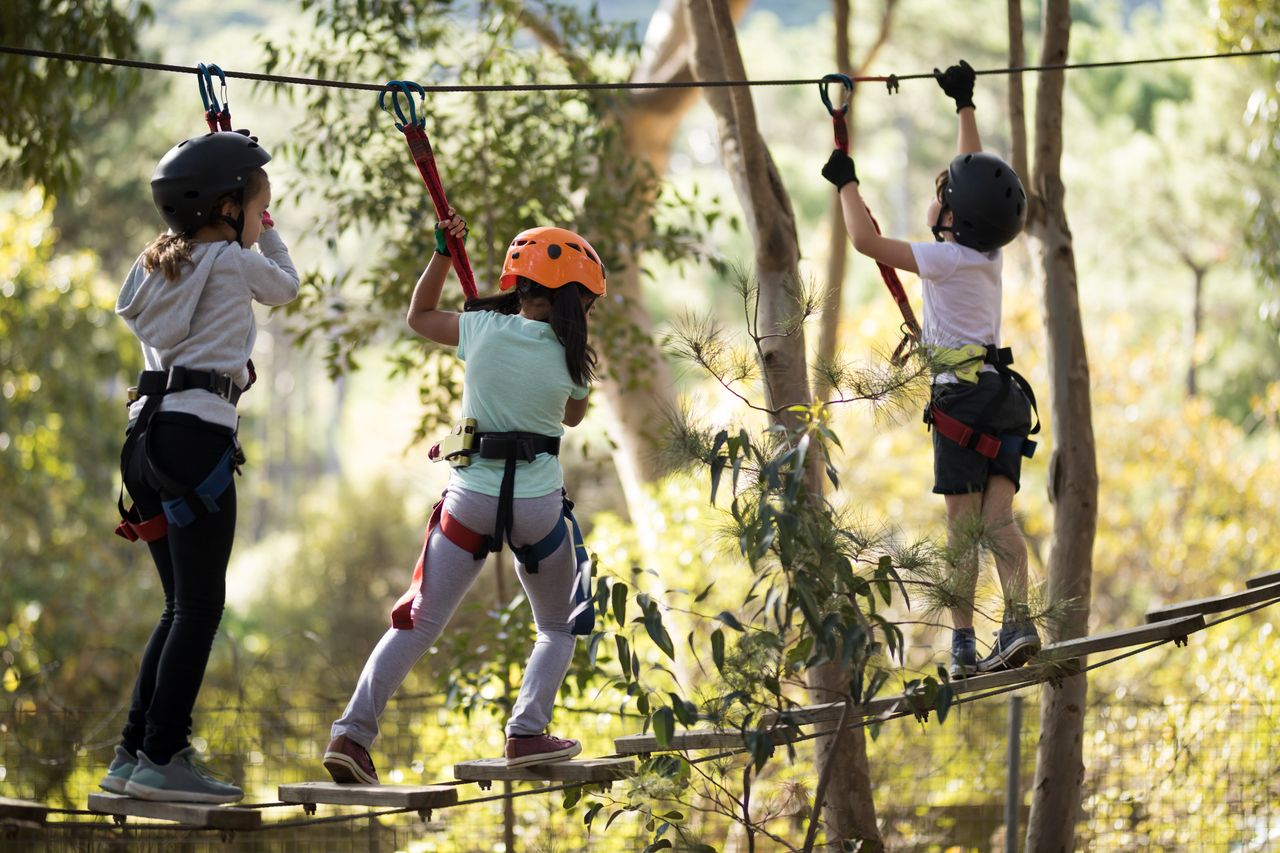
[
  {"x": 406, "y": 88},
  {"x": 205, "y": 82},
  {"x": 844, "y": 80}
]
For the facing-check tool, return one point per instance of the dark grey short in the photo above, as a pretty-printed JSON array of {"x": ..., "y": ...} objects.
[{"x": 959, "y": 470}]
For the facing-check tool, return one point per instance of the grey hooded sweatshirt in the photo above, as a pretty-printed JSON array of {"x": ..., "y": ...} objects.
[{"x": 204, "y": 320}]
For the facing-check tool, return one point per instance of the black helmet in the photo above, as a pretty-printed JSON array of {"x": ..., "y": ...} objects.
[
  {"x": 195, "y": 174},
  {"x": 987, "y": 202}
]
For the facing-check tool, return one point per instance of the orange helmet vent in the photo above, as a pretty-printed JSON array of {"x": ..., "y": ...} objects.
[{"x": 553, "y": 257}]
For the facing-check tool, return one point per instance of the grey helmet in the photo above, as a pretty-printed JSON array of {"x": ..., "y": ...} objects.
[
  {"x": 197, "y": 173},
  {"x": 987, "y": 202}
]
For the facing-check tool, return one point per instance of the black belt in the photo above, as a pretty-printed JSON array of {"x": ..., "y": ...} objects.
[{"x": 179, "y": 378}]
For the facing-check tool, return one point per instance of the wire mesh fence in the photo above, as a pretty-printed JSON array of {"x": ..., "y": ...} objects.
[{"x": 1189, "y": 774}]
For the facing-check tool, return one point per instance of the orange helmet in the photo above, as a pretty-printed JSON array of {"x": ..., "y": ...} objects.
[{"x": 553, "y": 257}]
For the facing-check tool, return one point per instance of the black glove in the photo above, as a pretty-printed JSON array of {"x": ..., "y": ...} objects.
[
  {"x": 957, "y": 82},
  {"x": 839, "y": 169}
]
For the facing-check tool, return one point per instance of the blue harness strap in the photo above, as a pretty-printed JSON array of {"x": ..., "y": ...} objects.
[
  {"x": 583, "y": 616},
  {"x": 182, "y": 511}
]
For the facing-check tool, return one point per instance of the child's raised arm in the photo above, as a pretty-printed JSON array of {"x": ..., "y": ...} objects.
[
  {"x": 862, "y": 231},
  {"x": 424, "y": 318},
  {"x": 957, "y": 82}
]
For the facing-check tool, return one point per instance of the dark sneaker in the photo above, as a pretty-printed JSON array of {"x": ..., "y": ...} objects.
[
  {"x": 540, "y": 749},
  {"x": 118, "y": 772},
  {"x": 182, "y": 780},
  {"x": 1016, "y": 643},
  {"x": 349, "y": 763},
  {"x": 964, "y": 653}
]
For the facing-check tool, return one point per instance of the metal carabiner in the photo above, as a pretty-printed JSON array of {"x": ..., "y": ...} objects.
[
  {"x": 222, "y": 76},
  {"x": 406, "y": 88},
  {"x": 844, "y": 80}
]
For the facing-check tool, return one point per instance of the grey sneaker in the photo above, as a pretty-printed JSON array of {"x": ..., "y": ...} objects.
[
  {"x": 964, "y": 653},
  {"x": 118, "y": 772},
  {"x": 1016, "y": 643},
  {"x": 182, "y": 780}
]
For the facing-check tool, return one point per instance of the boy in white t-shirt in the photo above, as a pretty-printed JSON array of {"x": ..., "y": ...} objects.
[{"x": 980, "y": 409}]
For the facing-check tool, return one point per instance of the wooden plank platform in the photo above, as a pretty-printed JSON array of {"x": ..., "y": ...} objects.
[
  {"x": 1168, "y": 629},
  {"x": 421, "y": 797},
  {"x": 25, "y": 810},
  {"x": 701, "y": 739},
  {"x": 1263, "y": 579},
  {"x": 1217, "y": 603},
  {"x": 191, "y": 814},
  {"x": 587, "y": 770}
]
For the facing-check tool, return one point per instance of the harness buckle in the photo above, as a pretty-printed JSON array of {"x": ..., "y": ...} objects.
[
  {"x": 458, "y": 446},
  {"x": 133, "y": 396}
]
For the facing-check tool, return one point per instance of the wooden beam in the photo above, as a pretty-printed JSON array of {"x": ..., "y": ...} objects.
[
  {"x": 1217, "y": 603},
  {"x": 1264, "y": 579},
  {"x": 1169, "y": 629},
  {"x": 11, "y": 809},
  {"x": 588, "y": 770},
  {"x": 421, "y": 797},
  {"x": 191, "y": 814},
  {"x": 1031, "y": 674}
]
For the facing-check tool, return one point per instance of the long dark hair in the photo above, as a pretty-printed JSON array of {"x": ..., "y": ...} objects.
[{"x": 567, "y": 320}]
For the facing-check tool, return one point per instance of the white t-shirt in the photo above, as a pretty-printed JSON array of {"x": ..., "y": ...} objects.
[{"x": 962, "y": 296}]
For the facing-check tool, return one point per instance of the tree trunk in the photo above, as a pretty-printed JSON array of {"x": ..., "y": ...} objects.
[
  {"x": 767, "y": 210},
  {"x": 1073, "y": 474},
  {"x": 640, "y": 388}
]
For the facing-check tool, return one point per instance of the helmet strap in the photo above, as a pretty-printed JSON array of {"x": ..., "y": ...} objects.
[
  {"x": 938, "y": 228},
  {"x": 237, "y": 224}
]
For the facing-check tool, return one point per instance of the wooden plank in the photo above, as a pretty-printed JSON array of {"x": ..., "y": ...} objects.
[
  {"x": 1263, "y": 580},
  {"x": 588, "y": 770},
  {"x": 1217, "y": 603},
  {"x": 1168, "y": 629},
  {"x": 394, "y": 796},
  {"x": 27, "y": 810},
  {"x": 1030, "y": 674},
  {"x": 191, "y": 814}
]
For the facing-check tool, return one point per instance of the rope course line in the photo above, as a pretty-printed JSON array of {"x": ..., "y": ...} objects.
[{"x": 625, "y": 85}]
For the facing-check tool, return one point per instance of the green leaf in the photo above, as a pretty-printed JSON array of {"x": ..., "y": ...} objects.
[
  {"x": 592, "y": 811},
  {"x": 624, "y": 655},
  {"x": 729, "y": 619},
  {"x": 717, "y": 649},
  {"x": 664, "y": 726},
  {"x": 658, "y": 632},
  {"x": 572, "y": 796},
  {"x": 619, "y": 593}
]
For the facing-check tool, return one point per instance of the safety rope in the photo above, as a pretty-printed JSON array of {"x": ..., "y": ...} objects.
[{"x": 891, "y": 80}]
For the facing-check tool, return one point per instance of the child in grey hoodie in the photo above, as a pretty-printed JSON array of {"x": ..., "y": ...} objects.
[{"x": 189, "y": 300}]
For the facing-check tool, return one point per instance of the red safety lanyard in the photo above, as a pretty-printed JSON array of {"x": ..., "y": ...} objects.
[
  {"x": 424, "y": 158},
  {"x": 910, "y": 326},
  {"x": 216, "y": 115}
]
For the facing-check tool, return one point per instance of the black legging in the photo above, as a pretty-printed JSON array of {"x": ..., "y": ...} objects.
[{"x": 192, "y": 562}]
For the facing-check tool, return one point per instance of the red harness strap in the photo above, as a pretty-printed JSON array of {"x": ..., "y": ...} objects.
[
  {"x": 148, "y": 530},
  {"x": 910, "y": 326},
  {"x": 457, "y": 533},
  {"x": 425, "y": 159},
  {"x": 965, "y": 436}
]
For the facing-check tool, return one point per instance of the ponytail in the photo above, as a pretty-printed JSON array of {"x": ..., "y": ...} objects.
[{"x": 168, "y": 252}]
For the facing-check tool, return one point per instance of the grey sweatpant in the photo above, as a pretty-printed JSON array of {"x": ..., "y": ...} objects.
[{"x": 448, "y": 573}]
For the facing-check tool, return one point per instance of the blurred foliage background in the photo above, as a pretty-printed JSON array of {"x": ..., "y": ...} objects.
[{"x": 1173, "y": 191}]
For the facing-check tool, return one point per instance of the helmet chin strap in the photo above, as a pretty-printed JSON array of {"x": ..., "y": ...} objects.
[
  {"x": 938, "y": 227},
  {"x": 237, "y": 223}
]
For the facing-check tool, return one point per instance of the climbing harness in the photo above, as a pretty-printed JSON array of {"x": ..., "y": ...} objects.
[
  {"x": 424, "y": 158},
  {"x": 910, "y": 326},
  {"x": 966, "y": 363},
  {"x": 217, "y": 115},
  {"x": 479, "y": 545},
  {"x": 188, "y": 502}
]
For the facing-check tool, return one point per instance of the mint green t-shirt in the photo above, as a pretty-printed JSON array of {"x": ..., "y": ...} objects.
[{"x": 516, "y": 380}]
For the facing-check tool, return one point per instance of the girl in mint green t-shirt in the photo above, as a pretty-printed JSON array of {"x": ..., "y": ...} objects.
[{"x": 529, "y": 368}]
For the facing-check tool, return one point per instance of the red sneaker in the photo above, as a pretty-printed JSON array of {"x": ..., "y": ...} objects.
[
  {"x": 349, "y": 763},
  {"x": 542, "y": 749}
]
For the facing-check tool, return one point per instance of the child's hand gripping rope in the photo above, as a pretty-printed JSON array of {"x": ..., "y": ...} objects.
[{"x": 957, "y": 82}]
